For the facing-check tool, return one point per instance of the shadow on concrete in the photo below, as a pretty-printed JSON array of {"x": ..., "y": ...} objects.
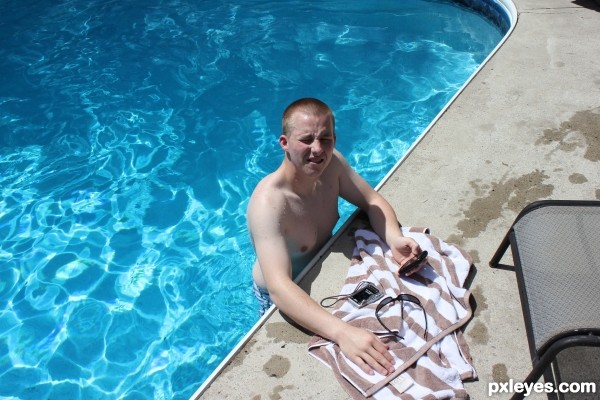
[{"x": 590, "y": 4}]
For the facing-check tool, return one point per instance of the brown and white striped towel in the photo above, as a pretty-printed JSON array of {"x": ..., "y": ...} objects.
[{"x": 424, "y": 369}]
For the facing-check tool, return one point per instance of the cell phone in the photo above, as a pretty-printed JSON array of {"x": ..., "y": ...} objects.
[
  {"x": 413, "y": 264},
  {"x": 365, "y": 295}
]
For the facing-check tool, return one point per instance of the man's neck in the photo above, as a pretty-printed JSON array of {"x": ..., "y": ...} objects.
[{"x": 299, "y": 183}]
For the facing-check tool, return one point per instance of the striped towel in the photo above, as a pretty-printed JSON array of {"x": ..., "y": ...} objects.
[{"x": 432, "y": 368}]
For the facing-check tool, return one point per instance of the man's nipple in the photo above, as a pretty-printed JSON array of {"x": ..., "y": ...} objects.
[{"x": 303, "y": 249}]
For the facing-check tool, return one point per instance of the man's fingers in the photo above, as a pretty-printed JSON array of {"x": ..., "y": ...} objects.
[
  {"x": 382, "y": 349},
  {"x": 379, "y": 358},
  {"x": 366, "y": 350},
  {"x": 363, "y": 365},
  {"x": 374, "y": 357},
  {"x": 368, "y": 364}
]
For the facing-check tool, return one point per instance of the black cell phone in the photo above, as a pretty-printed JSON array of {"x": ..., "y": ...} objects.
[
  {"x": 413, "y": 264},
  {"x": 365, "y": 295}
]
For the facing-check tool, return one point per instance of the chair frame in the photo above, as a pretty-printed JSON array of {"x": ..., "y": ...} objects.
[{"x": 545, "y": 356}]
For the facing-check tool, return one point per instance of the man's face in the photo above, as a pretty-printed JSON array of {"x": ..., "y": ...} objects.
[{"x": 310, "y": 143}]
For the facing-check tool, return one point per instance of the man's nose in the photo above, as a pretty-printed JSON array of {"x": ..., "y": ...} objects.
[{"x": 317, "y": 146}]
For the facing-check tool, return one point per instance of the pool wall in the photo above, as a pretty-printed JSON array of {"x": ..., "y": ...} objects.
[{"x": 504, "y": 14}]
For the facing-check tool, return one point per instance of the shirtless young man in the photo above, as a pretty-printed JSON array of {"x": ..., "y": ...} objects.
[{"x": 291, "y": 215}]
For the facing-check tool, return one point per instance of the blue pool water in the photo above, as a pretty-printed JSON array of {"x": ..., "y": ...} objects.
[{"x": 131, "y": 135}]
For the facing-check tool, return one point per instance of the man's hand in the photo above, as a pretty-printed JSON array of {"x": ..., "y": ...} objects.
[
  {"x": 405, "y": 249},
  {"x": 366, "y": 350}
]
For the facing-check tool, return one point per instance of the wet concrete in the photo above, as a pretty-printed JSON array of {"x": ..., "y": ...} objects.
[{"x": 526, "y": 128}]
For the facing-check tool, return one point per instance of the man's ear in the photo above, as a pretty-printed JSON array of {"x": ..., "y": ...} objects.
[{"x": 283, "y": 142}]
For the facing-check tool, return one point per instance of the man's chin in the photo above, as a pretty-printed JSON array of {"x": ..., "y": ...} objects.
[{"x": 315, "y": 169}]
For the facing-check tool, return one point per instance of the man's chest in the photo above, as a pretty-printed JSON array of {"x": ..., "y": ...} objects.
[{"x": 309, "y": 222}]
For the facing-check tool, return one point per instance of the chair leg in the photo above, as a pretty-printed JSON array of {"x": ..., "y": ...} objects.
[
  {"x": 544, "y": 363},
  {"x": 532, "y": 378},
  {"x": 495, "y": 261},
  {"x": 550, "y": 375},
  {"x": 530, "y": 381},
  {"x": 554, "y": 374}
]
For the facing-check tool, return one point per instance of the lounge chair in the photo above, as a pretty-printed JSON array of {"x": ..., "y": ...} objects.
[{"x": 556, "y": 255}]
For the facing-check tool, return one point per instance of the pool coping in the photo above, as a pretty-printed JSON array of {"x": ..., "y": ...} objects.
[{"x": 457, "y": 119}]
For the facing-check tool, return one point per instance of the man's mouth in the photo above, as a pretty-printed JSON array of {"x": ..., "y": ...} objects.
[{"x": 316, "y": 160}]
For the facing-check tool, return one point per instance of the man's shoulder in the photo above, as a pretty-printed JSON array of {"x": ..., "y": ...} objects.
[
  {"x": 266, "y": 207},
  {"x": 268, "y": 192},
  {"x": 338, "y": 164},
  {"x": 270, "y": 185}
]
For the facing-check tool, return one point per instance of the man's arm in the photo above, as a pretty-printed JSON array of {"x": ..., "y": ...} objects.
[
  {"x": 382, "y": 216},
  {"x": 359, "y": 345}
]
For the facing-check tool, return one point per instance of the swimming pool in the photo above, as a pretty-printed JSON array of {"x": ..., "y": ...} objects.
[{"x": 131, "y": 135}]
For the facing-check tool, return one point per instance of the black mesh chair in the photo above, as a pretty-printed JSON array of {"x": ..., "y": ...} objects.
[{"x": 556, "y": 255}]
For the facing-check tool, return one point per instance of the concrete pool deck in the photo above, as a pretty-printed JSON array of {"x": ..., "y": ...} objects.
[{"x": 527, "y": 127}]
